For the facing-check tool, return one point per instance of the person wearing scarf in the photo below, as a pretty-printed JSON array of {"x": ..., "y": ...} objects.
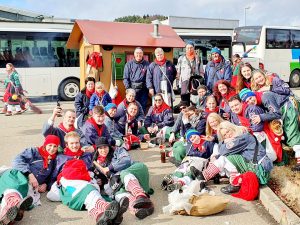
[
  {"x": 94, "y": 128},
  {"x": 123, "y": 106},
  {"x": 188, "y": 65},
  {"x": 196, "y": 153},
  {"x": 134, "y": 77},
  {"x": 82, "y": 101},
  {"x": 217, "y": 69},
  {"x": 30, "y": 171},
  {"x": 66, "y": 126},
  {"x": 100, "y": 97},
  {"x": 161, "y": 71},
  {"x": 159, "y": 117},
  {"x": 72, "y": 150}
]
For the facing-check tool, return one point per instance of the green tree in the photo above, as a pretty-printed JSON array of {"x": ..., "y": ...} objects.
[{"x": 140, "y": 19}]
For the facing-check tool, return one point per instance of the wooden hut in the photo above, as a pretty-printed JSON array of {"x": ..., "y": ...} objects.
[{"x": 116, "y": 43}]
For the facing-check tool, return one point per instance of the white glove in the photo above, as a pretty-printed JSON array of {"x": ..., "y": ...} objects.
[
  {"x": 118, "y": 143},
  {"x": 181, "y": 139}
]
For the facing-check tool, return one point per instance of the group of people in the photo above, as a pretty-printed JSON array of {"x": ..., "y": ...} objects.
[{"x": 228, "y": 125}]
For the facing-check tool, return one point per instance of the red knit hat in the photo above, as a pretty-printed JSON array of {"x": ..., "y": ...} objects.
[
  {"x": 52, "y": 139},
  {"x": 249, "y": 188}
]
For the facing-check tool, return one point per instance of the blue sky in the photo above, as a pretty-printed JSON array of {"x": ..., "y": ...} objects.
[{"x": 268, "y": 12}]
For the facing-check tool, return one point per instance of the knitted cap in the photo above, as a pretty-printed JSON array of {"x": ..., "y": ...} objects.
[
  {"x": 245, "y": 93},
  {"x": 191, "y": 132},
  {"x": 215, "y": 50},
  {"x": 52, "y": 139},
  {"x": 110, "y": 106}
]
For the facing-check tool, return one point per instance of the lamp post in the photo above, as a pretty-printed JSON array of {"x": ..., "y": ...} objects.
[{"x": 248, "y": 7}]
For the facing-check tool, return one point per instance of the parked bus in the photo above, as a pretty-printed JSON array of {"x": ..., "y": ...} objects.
[
  {"x": 277, "y": 49},
  {"x": 38, "y": 51}
]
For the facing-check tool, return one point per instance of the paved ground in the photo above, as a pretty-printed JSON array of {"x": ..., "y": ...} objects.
[{"x": 19, "y": 132}]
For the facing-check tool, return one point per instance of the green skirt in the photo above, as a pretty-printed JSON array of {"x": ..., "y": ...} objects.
[
  {"x": 14, "y": 179},
  {"x": 242, "y": 166}
]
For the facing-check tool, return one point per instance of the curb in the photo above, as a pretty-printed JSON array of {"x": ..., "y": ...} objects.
[{"x": 275, "y": 206}]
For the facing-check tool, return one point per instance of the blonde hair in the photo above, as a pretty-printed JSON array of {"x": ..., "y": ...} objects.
[
  {"x": 158, "y": 50},
  {"x": 208, "y": 129},
  {"x": 71, "y": 134},
  {"x": 131, "y": 91},
  {"x": 238, "y": 130},
  {"x": 254, "y": 86},
  {"x": 99, "y": 84}
]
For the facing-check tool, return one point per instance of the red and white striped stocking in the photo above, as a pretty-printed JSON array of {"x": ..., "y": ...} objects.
[
  {"x": 98, "y": 209},
  {"x": 210, "y": 171},
  {"x": 134, "y": 187}
]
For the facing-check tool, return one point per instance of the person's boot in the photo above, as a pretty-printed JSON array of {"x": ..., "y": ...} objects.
[
  {"x": 141, "y": 199},
  {"x": 296, "y": 168},
  {"x": 24, "y": 205},
  {"x": 229, "y": 189},
  {"x": 9, "y": 207},
  {"x": 144, "y": 212},
  {"x": 196, "y": 174},
  {"x": 124, "y": 203},
  {"x": 107, "y": 216},
  {"x": 216, "y": 179}
]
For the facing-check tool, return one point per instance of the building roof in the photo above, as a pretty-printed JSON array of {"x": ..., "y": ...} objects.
[
  {"x": 122, "y": 34},
  {"x": 200, "y": 23}
]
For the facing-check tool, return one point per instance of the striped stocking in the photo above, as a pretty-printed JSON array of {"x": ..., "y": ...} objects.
[
  {"x": 134, "y": 187},
  {"x": 210, "y": 171},
  {"x": 98, "y": 209}
]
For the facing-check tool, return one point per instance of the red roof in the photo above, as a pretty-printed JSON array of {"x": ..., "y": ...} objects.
[{"x": 124, "y": 34}]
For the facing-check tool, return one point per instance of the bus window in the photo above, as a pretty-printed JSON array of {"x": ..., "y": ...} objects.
[
  {"x": 295, "y": 38},
  {"x": 247, "y": 35},
  {"x": 278, "y": 38}
]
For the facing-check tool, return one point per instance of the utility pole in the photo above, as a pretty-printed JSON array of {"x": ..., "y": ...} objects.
[{"x": 248, "y": 7}]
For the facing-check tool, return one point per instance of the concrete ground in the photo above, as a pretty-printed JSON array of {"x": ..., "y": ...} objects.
[{"x": 19, "y": 132}]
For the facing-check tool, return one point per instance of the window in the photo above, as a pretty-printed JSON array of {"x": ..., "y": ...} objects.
[
  {"x": 278, "y": 39},
  {"x": 295, "y": 38}
]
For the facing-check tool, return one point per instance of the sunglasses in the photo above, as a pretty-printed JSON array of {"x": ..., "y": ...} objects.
[{"x": 158, "y": 100}]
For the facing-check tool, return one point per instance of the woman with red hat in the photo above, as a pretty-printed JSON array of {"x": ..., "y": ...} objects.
[{"x": 33, "y": 166}]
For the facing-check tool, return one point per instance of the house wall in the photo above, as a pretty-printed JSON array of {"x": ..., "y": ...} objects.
[{"x": 106, "y": 74}]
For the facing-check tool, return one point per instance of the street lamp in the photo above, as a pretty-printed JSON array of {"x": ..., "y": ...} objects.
[{"x": 248, "y": 7}]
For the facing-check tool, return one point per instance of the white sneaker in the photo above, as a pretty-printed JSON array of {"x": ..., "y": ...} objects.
[{"x": 151, "y": 145}]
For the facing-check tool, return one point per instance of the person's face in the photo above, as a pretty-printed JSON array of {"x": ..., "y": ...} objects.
[
  {"x": 51, "y": 148},
  {"x": 226, "y": 133},
  {"x": 236, "y": 60},
  {"x": 132, "y": 110},
  {"x": 195, "y": 139},
  {"x": 201, "y": 92},
  {"x": 236, "y": 106},
  {"x": 73, "y": 143},
  {"x": 246, "y": 72},
  {"x": 112, "y": 112},
  {"x": 98, "y": 89},
  {"x": 9, "y": 68},
  {"x": 159, "y": 56},
  {"x": 158, "y": 101},
  {"x": 211, "y": 104},
  {"x": 130, "y": 97},
  {"x": 189, "y": 48},
  {"x": 215, "y": 56},
  {"x": 69, "y": 118},
  {"x": 138, "y": 55},
  {"x": 213, "y": 123},
  {"x": 259, "y": 79},
  {"x": 99, "y": 119},
  {"x": 222, "y": 89},
  {"x": 90, "y": 85},
  {"x": 251, "y": 100},
  {"x": 103, "y": 150}
]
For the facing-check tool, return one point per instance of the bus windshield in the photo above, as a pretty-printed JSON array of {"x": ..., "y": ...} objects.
[{"x": 247, "y": 35}]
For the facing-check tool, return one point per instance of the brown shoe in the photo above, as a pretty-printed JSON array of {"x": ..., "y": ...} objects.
[
  {"x": 142, "y": 202},
  {"x": 144, "y": 212}
]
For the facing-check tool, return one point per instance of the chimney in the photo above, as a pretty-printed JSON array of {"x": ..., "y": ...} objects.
[{"x": 155, "y": 33}]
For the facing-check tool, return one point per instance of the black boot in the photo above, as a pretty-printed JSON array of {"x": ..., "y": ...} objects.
[
  {"x": 174, "y": 161},
  {"x": 217, "y": 179},
  {"x": 196, "y": 174},
  {"x": 230, "y": 189},
  {"x": 296, "y": 168},
  {"x": 124, "y": 203}
]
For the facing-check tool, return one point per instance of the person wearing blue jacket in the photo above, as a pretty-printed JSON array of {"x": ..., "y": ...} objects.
[
  {"x": 217, "y": 69},
  {"x": 159, "y": 117},
  {"x": 82, "y": 101},
  {"x": 94, "y": 128},
  {"x": 31, "y": 170},
  {"x": 135, "y": 76},
  {"x": 160, "y": 76},
  {"x": 133, "y": 181},
  {"x": 237, "y": 155},
  {"x": 100, "y": 97}
]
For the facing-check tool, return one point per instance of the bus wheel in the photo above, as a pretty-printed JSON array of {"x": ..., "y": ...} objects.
[
  {"x": 295, "y": 79},
  {"x": 68, "y": 89}
]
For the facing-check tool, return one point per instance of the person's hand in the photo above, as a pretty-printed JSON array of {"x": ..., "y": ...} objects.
[
  {"x": 99, "y": 182},
  {"x": 33, "y": 181},
  {"x": 147, "y": 137},
  {"x": 105, "y": 170},
  {"x": 150, "y": 130},
  {"x": 226, "y": 116},
  {"x": 177, "y": 76},
  {"x": 88, "y": 149},
  {"x": 139, "y": 124},
  {"x": 155, "y": 129},
  {"x": 213, "y": 158},
  {"x": 255, "y": 119},
  {"x": 172, "y": 138},
  {"x": 42, "y": 188},
  {"x": 151, "y": 92},
  {"x": 208, "y": 138},
  {"x": 56, "y": 111}
]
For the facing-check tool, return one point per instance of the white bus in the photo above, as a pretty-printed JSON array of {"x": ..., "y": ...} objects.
[
  {"x": 38, "y": 52},
  {"x": 277, "y": 49}
]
